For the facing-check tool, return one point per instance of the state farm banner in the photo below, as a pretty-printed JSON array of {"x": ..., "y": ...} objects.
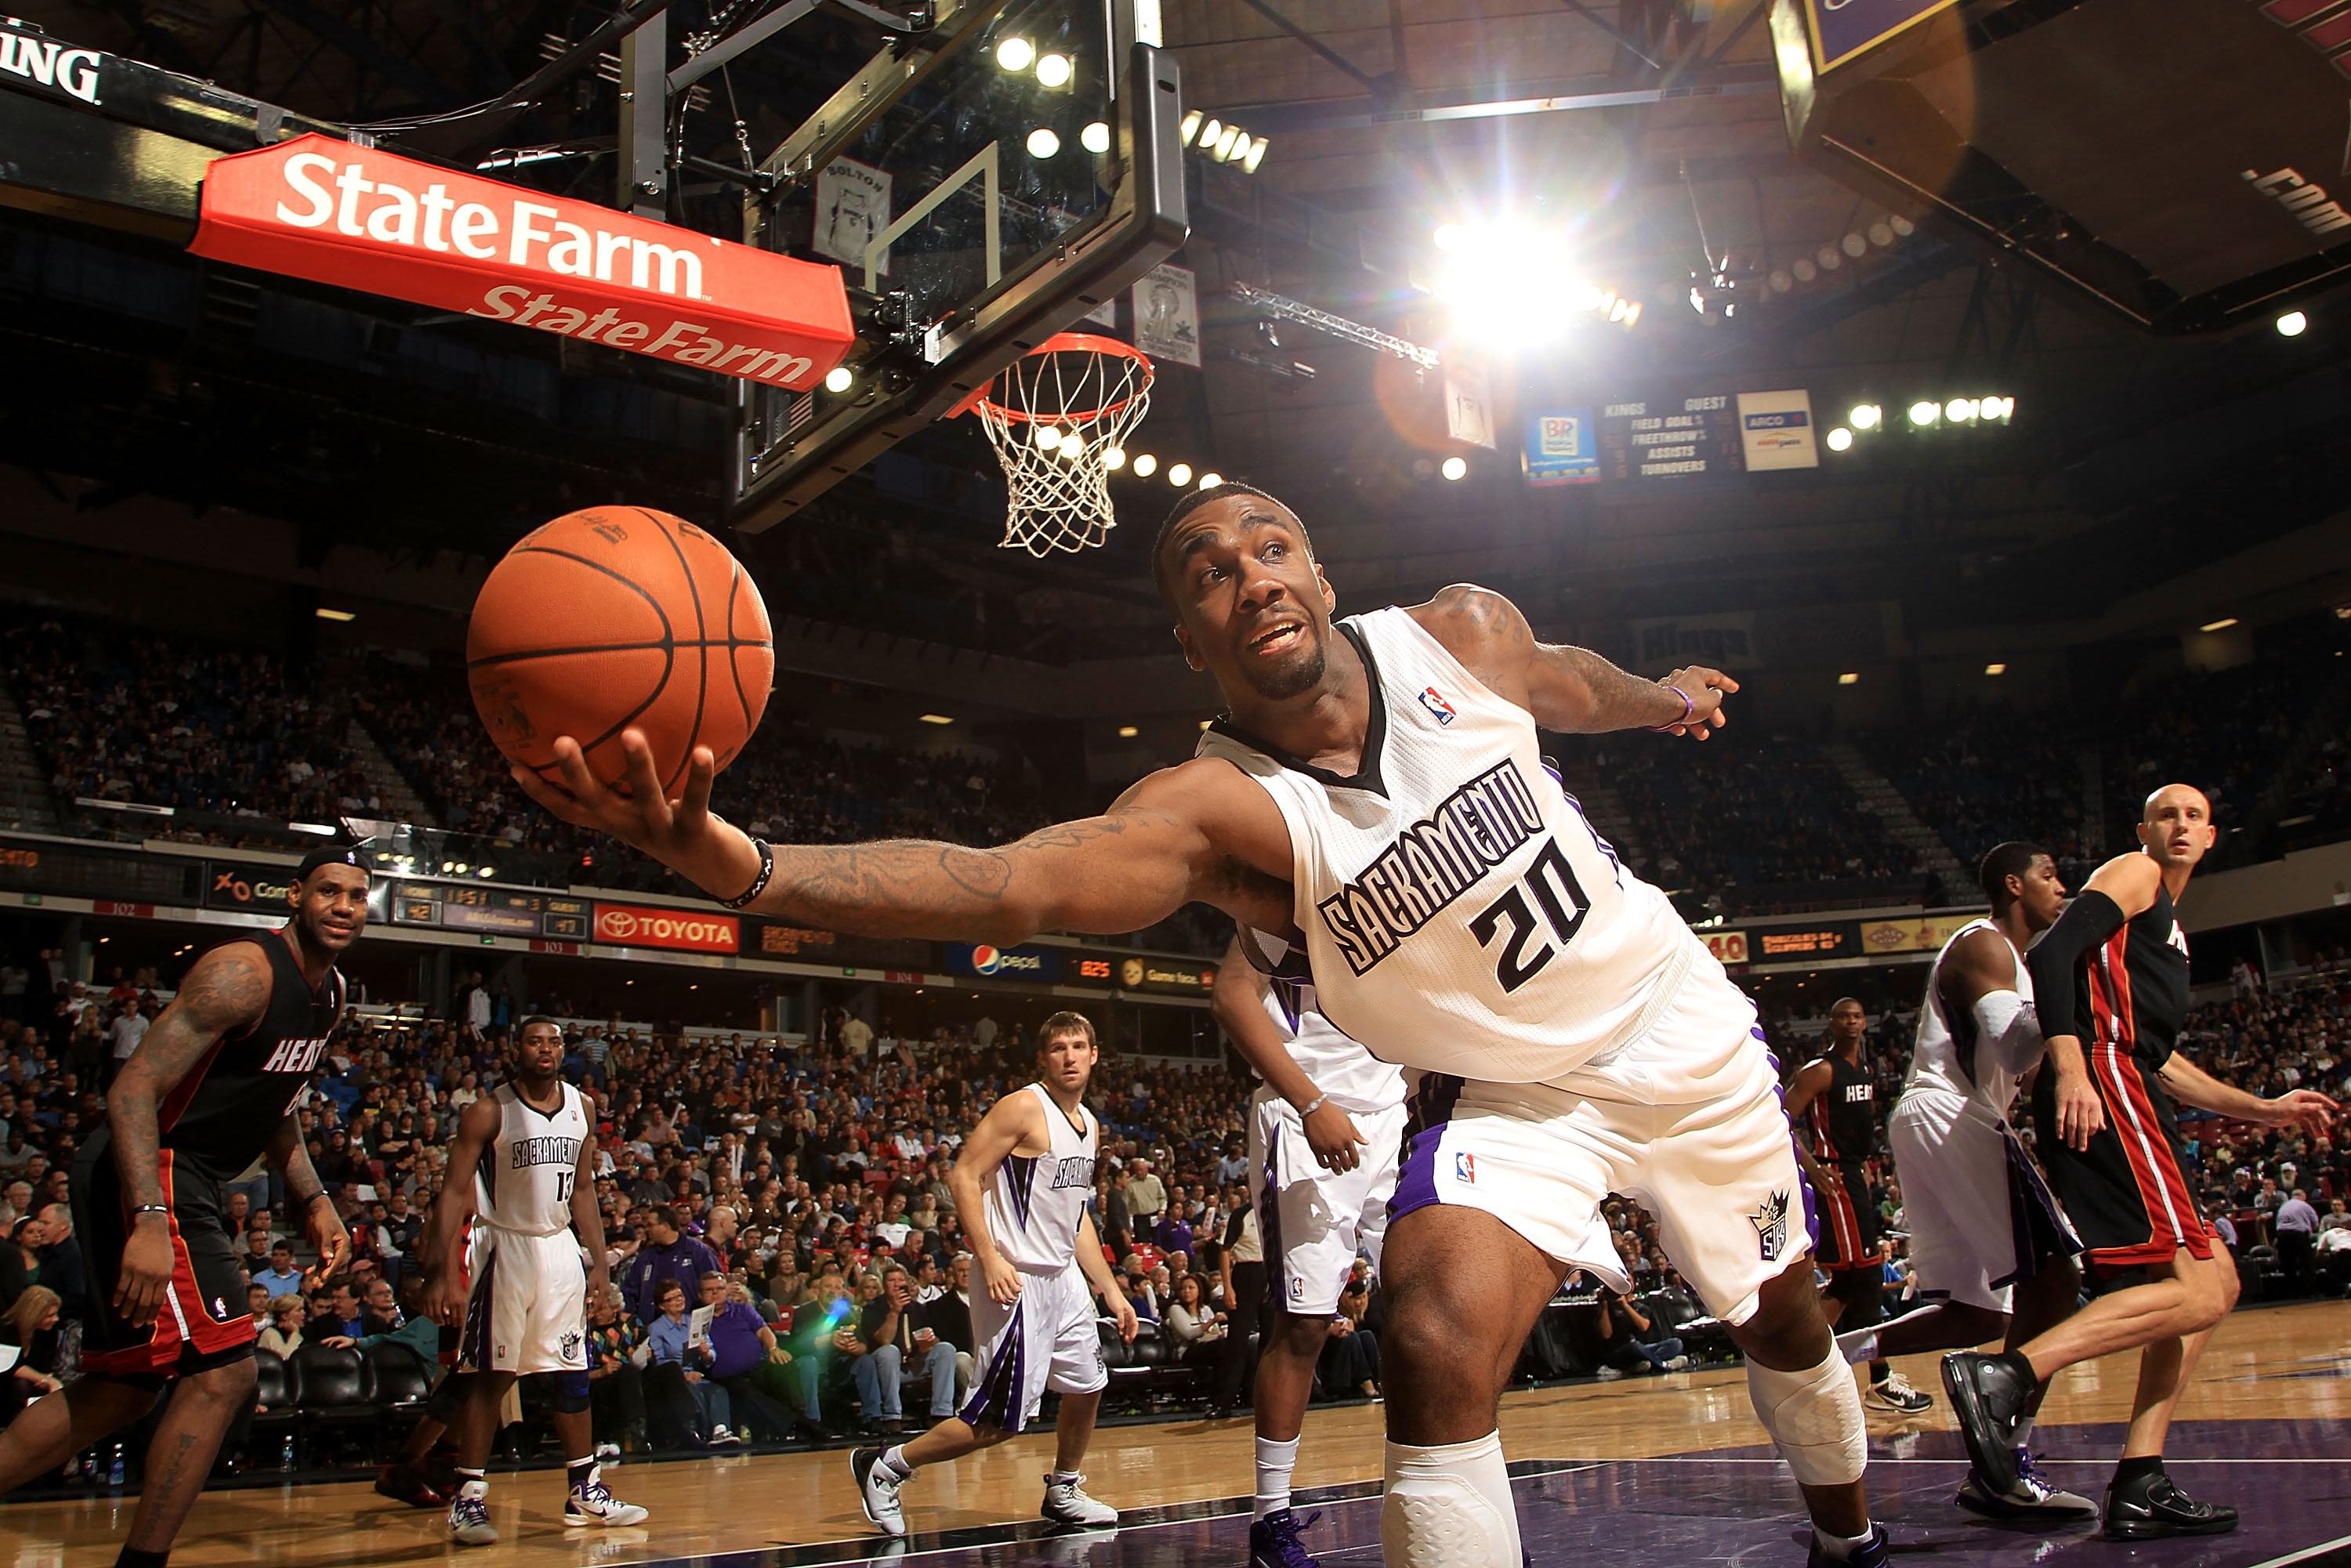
[
  {"x": 361, "y": 218},
  {"x": 687, "y": 930}
]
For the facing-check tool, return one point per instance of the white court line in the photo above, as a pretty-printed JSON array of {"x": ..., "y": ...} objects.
[
  {"x": 2043, "y": 1458},
  {"x": 2304, "y": 1554}
]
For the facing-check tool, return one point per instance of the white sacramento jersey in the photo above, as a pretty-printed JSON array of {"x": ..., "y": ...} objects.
[
  {"x": 523, "y": 1183},
  {"x": 1951, "y": 1055},
  {"x": 1352, "y": 1078},
  {"x": 1460, "y": 914},
  {"x": 1035, "y": 1202}
]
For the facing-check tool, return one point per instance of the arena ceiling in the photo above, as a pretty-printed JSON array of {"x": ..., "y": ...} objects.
[{"x": 1660, "y": 148}]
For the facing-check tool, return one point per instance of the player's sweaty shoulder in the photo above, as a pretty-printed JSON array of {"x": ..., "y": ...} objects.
[
  {"x": 227, "y": 988},
  {"x": 1480, "y": 627}
]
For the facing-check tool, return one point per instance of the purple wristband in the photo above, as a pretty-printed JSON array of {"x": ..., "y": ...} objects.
[{"x": 1688, "y": 707}]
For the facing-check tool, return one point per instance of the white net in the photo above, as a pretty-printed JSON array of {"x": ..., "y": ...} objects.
[{"x": 1059, "y": 417}]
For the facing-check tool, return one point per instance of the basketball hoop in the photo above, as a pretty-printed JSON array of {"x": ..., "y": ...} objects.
[{"x": 1058, "y": 418}]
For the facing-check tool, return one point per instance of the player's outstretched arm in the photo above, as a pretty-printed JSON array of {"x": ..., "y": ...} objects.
[
  {"x": 227, "y": 989},
  {"x": 445, "y": 1284},
  {"x": 2306, "y": 1108},
  {"x": 1238, "y": 1004},
  {"x": 1012, "y": 1121},
  {"x": 1197, "y": 830},
  {"x": 1571, "y": 690}
]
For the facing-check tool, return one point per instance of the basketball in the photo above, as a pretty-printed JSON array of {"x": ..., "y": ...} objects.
[{"x": 616, "y": 616}]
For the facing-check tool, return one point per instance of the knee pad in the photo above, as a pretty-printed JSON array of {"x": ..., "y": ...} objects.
[
  {"x": 1815, "y": 1418},
  {"x": 1449, "y": 1507},
  {"x": 569, "y": 1390}
]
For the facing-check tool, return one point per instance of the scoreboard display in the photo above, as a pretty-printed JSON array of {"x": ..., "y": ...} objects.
[{"x": 1671, "y": 440}]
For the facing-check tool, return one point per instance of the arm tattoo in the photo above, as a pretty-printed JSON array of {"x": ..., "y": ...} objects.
[
  {"x": 226, "y": 990},
  {"x": 1619, "y": 701}
]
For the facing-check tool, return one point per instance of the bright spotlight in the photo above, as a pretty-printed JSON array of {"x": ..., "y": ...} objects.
[
  {"x": 1241, "y": 145},
  {"x": 1014, "y": 54},
  {"x": 1840, "y": 439},
  {"x": 1191, "y": 126},
  {"x": 1073, "y": 446},
  {"x": 2292, "y": 324},
  {"x": 1255, "y": 156},
  {"x": 1451, "y": 236},
  {"x": 1455, "y": 467},
  {"x": 1145, "y": 466},
  {"x": 1850, "y": 678},
  {"x": 1959, "y": 410},
  {"x": 1866, "y": 415},
  {"x": 1225, "y": 140},
  {"x": 1923, "y": 413},
  {"x": 1995, "y": 669},
  {"x": 1095, "y": 137},
  {"x": 1633, "y": 315},
  {"x": 1053, "y": 71},
  {"x": 1042, "y": 142},
  {"x": 839, "y": 379},
  {"x": 1047, "y": 438},
  {"x": 1586, "y": 297},
  {"x": 1180, "y": 474},
  {"x": 1114, "y": 457},
  {"x": 1211, "y": 479},
  {"x": 1208, "y": 134}
]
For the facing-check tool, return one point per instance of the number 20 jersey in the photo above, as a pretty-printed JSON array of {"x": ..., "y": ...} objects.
[{"x": 1460, "y": 916}]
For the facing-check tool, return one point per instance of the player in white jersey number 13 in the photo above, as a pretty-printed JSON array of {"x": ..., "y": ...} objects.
[
  {"x": 1021, "y": 1183},
  {"x": 1484, "y": 936},
  {"x": 520, "y": 1168}
]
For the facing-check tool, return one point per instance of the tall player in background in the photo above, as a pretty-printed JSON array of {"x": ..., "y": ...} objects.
[
  {"x": 1020, "y": 1185},
  {"x": 1326, "y": 1131},
  {"x": 1986, "y": 1237},
  {"x": 213, "y": 1087},
  {"x": 522, "y": 1167},
  {"x": 1835, "y": 1100},
  {"x": 2110, "y": 983},
  {"x": 1374, "y": 787}
]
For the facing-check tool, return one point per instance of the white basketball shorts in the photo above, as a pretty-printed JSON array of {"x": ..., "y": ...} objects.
[
  {"x": 1687, "y": 1119},
  {"x": 1046, "y": 1339},
  {"x": 1981, "y": 1216},
  {"x": 528, "y": 1308},
  {"x": 1316, "y": 1221}
]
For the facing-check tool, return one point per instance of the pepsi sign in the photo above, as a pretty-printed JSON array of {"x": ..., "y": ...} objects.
[{"x": 1004, "y": 963}]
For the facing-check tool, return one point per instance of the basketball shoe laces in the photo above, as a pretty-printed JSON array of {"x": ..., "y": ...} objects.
[
  {"x": 2029, "y": 1472},
  {"x": 1285, "y": 1528}
]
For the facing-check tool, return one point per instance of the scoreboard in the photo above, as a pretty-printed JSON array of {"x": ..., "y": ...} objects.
[{"x": 1671, "y": 440}]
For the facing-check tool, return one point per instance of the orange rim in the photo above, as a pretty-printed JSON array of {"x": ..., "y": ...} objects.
[{"x": 1064, "y": 343}]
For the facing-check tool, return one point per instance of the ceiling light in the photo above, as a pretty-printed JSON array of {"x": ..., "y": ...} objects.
[
  {"x": 1451, "y": 236},
  {"x": 1840, "y": 439},
  {"x": 1127, "y": 732},
  {"x": 1211, "y": 479},
  {"x": 2292, "y": 324},
  {"x": 1880, "y": 236},
  {"x": 1053, "y": 71},
  {"x": 1923, "y": 413},
  {"x": 937, "y": 718},
  {"x": 1206, "y": 722},
  {"x": 1114, "y": 457},
  {"x": 1095, "y": 137},
  {"x": 1180, "y": 474},
  {"x": 1850, "y": 678},
  {"x": 484, "y": 871},
  {"x": 1995, "y": 669},
  {"x": 1255, "y": 156},
  {"x": 1145, "y": 466},
  {"x": 1225, "y": 140},
  {"x": 1852, "y": 244},
  {"x": 839, "y": 379},
  {"x": 1014, "y": 54},
  {"x": 1208, "y": 134},
  {"x": 1191, "y": 126},
  {"x": 1455, "y": 467},
  {"x": 1241, "y": 145},
  {"x": 1047, "y": 438},
  {"x": 326, "y": 614},
  {"x": 1959, "y": 410},
  {"x": 1866, "y": 415},
  {"x": 1043, "y": 143},
  {"x": 1634, "y": 313},
  {"x": 2223, "y": 624}
]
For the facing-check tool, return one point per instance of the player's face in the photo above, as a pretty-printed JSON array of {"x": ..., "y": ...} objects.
[
  {"x": 539, "y": 1051},
  {"x": 2177, "y": 828},
  {"x": 330, "y": 906},
  {"x": 1849, "y": 1021},
  {"x": 1252, "y": 607},
  {"x": 1068, "y": 1062},
  {"x": 2041, "y": 894}
]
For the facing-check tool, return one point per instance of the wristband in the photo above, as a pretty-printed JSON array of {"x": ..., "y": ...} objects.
[
  {"x": 314, "y": 1198},
  {"x": 151, "y": 1208},
  {"x": 768, "y": 869},
  {"x": 1311, "y": 1106},
  {"x": 1688, "y": 707}
]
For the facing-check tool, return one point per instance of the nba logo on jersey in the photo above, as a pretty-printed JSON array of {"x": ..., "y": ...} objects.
[
  {"x": 1435, "y": 703},
  {"x": 1464, "y": 1168}
]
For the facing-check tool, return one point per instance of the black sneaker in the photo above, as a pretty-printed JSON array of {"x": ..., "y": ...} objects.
[
  {"x": 2148, "y": 1507},
  {"x": 1274, "y": 1543},
  {"x": 1877, "y": 1553},
  {"x": 1989, "y": 1396}
]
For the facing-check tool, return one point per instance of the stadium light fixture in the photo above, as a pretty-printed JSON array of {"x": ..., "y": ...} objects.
[
  {"x": 1455, "y": 467},
  {"x": 839, "y": 379},
  {"x": 1043, "y": 142},
  {"x": 1095, "y": 137},
  {"x": 1850, "y": 678},
  {"x": 1255, "y": 156},
  {"x": 324, "y": 614},
  {"x": 1145, "y": 466},
  {"x": 1127, "y": 732},
  {"x": 1840, "y": 439},
  {"x": 2223, "y": 624},
  {"x": 1925, "y": 413},
  {"x": 1211, "y": 479},
  {"x": 2292, "y": 324},
  {"x": 1015, "y": 54},
  {"x": 1960, "y": 411},
  {"x": 1114, "y": 457},
  {"x": 1180, "y": 474},
  {"x": 1449, "y": 237},
  {"x": 1047, "y": 437},
  {"x": 937, "y": 718},
  {"x": 1865, "y": 416},
  {"x": 1190, "y": 127},
  {"x": 1995, "y": 669},
  {"x": 1053, "y": 71}
]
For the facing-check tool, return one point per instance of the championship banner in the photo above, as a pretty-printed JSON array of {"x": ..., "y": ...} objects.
[
  {"x": 358, "y": 217},
  {"x": 685, "y": 930}
]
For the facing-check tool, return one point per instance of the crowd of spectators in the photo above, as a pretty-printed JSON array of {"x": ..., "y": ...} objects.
[{"x": 1981, "y": 775}]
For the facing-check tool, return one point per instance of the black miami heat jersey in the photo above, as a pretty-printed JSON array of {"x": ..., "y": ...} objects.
[
  {"x": 1843, "y": 1115},
  {"x": 228, "y": 1107},
  {"x": 2133, "y": 990}
]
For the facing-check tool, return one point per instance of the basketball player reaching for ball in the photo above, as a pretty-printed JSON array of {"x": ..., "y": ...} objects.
[
  {"x": 1326, "y": 1131},
  {"x": 1985, "y": 1235},
  {"x": 1375, "y": 786},
  {"x": 1835, "y": 1100},
  {"x": 1021, "y": 1183},
  {"x": 522, "y": 1167},
  {"x": 2110, "y": 983},
  {"x": 212, "y": 1088}
]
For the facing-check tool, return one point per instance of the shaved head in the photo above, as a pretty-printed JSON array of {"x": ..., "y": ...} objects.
[
  {"x": 2177, "y": 827},
  {"x": 2181, "y": 793}
]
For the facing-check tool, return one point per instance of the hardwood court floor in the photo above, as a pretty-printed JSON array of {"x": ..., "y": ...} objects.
[{"x": 2281, "y": 1371}]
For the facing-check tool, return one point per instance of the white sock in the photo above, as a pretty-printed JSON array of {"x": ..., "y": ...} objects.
[
  {"x": 894, "y": 1460},
  {"x": 1449, "y": 1507},
  {"x": 1843, "y": 1547},
  {"x": 1275, "y": 1460},
  {"x": 1857, "y": 1345}
]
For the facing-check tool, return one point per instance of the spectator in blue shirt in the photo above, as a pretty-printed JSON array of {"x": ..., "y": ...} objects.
[
  {"x": 740, "y": 1344},
  {"x": 671, "y": 1333},
  {"x": 665, "y": 1253},
  {"x": 281, "y": 1277}
]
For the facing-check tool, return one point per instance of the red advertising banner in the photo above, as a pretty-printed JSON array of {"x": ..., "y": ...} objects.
[
  {"x": 361, "y": 218},
  {"x": 634, "y": 926}
]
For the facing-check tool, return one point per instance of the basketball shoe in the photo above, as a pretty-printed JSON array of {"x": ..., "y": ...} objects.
[
  {"x": 1274, "y": 1543},
  {"x": 1893, "y": 1392},
  {"x": 2150, "y": 1507},
  {"x": 592, "y": 1502},
  {"x": 877, "y": 1489},
  {"x": 1877, "y": 1552},
  {"x": 2034, "y": 1496},
  {"x": 1066, "y": 1502},
  {"x": 1989, "y": 1396},
  {"x": 469, "y": 1516}
]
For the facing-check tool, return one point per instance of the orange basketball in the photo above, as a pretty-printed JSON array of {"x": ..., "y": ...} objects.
[{"x": 617, "y": 616}]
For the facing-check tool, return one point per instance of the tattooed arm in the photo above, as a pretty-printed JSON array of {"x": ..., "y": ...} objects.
[
  {"x": 1199, "y": 830},
  {"x": 226, "y": 990},
  {"x": 1571, "y": 690}
]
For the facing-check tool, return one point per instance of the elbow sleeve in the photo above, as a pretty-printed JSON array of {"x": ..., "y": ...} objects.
[{"x": 2085, "y": 926}]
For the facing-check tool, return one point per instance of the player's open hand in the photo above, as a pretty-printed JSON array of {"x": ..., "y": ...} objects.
[
  {"x": 2081, "y": 1114},
  {"x": 1003, "y": 1280},
  {"x": 1705, "y": 689},
  {"x": 1331, "y": 1133},
  {"x": 2304, "y": 1108},
  {"x": 679, "y": 831}
]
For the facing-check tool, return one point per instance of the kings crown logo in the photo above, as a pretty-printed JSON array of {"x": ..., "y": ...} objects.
[{"x": 1771, "y": 1222}]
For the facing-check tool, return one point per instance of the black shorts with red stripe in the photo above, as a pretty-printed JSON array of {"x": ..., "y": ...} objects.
[
  {"x": 203, "y": 1321},
  {"x": 2125, "y": 1194},
  {"x": 1848, "y": 1220}
]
